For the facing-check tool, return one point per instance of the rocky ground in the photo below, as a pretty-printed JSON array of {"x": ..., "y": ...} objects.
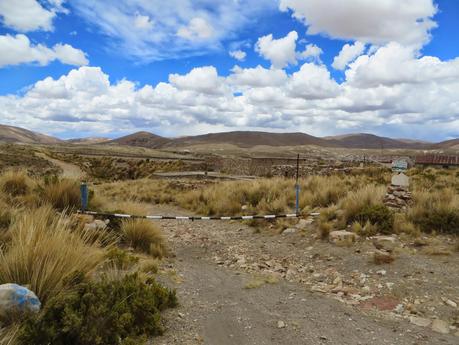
[{"x": 237, "y": 285}]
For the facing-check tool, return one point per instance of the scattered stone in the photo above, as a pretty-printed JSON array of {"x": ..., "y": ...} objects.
[
  {"x": 387, "y": 243},
  {"x": 342, "y": 237},
  {"x": 280, "y": 324},
  {"x": 420, "y": 321},
  {"x": 440, "y": 326},
  {"x": 304, "y": 223},
  {"x": 382, "y": 257},
  {"x": 381, "y": 272},
  {"x": 451, "y": 303},
  {"x": 289, "y": 231}
]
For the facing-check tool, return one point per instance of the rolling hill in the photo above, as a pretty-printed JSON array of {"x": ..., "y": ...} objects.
[
  {"x": 452, "y": 144},
  {"x": 243, "y": 139},
  {"x": 250, "y": 139},
  {"x": 13, "y": 134},
  {"x": 142, "y": 139},
  {"x": 371, "y": 141}
]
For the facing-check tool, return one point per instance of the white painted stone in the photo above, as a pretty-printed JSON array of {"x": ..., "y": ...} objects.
[{"x": 400, "y": 180}]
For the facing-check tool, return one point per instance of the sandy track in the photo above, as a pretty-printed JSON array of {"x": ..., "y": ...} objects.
[{"x": 69, "y": 170}]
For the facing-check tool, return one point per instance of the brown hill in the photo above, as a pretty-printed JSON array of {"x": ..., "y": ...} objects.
[
  {"x": 88, "y": 141},
  {"x": 452, "y": 144},
  {"x": 13, "y": 134},
  {"x": 371, "y": 141},
  {"x": 142, "y": 139},
  {"x": 250, "y": 139}
]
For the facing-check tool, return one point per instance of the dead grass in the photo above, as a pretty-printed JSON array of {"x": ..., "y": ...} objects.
[
  {"x": 356, "y": 201},
  {"x": 144, "y": 235},
  {"x": 436, "y": 211},
  {"x": 43, "y": 252},
  {"x": 62, "y": 194},
  {"x": 16, "y": 183}
]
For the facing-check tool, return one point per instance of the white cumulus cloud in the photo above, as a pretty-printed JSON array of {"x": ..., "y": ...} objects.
[
  {"x": 197, "y": 29},
  {"x": 311, "y": 52},
  {"x": 28, "y": 15},
  {"x": 392, "y": 91},
  {"x": 281, "y": 52},
  {"x": 18, "y": 49},
  {"x": 408, "y": 22},
  {"x": 348, "y": 53}
]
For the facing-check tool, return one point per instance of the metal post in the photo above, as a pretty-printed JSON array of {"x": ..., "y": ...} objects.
[
  {"x": 297, "y": 185},
  {"x": 84, "y": 196}
]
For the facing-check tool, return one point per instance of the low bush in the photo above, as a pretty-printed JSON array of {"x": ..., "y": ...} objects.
[
  {"x": 378, "y": 215},
  {"x": 144, "y": 235},
  {"x": 107, "y": 312},
  {"x": 43, "y": 251}
]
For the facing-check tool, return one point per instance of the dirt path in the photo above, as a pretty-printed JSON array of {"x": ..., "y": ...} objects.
[
  {"x": 69, "y": 170},
  {"x": 217, "y": 308}
]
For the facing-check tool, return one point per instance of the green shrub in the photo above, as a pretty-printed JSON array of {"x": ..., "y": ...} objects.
[
  {"x": 107, "y": 312},
  {"x": 378, "y": 215},
  {"x": 121, "y": 259}
]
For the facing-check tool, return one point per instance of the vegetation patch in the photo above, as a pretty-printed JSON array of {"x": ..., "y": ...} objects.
[{"x": 105, "y": 312}]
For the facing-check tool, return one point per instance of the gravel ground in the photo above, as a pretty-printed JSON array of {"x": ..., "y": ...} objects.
[{"x": 214, "y": 262}]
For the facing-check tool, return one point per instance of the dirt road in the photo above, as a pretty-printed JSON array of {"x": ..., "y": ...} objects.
[
  {"x": 69, "y": 170},
  {"x": 217, "y": 308}
]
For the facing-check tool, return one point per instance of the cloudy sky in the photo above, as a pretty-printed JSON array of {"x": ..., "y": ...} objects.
[{"x": 75, "y": 68}]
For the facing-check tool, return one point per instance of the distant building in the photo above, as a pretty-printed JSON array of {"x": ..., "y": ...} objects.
[{"x": 437, "y": 160}]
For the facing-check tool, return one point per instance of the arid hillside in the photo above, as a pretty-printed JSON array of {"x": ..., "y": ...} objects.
[{"x": 20, "y": 135}]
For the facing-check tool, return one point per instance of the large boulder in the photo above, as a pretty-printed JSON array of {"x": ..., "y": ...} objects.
[{"x": 17, "y": 299}]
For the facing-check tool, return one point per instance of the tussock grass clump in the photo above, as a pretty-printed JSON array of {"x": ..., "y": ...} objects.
[
  {"x": 62, "y": 194},
  {"x": 43, "y": 252},
  {"x": 16, "y": 183},
  {"x": 356, "y": 201},
  {"x": 436, "y": 211},
  {"x": 144, "y": 235}
]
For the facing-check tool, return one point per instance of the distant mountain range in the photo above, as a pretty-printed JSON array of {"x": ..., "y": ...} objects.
[{"x": 244, "y": 139}]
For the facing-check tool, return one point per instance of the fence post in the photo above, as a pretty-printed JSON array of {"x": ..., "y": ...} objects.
[
  {"x": 297, "y": 185},
  {"x": 84, "y": 196}
]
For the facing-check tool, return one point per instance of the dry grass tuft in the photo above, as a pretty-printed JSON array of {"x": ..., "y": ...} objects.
[
  {"x": 16, "y": 183},
  {"x": 324, "y": 229},
  {"x": 43, "y": 252},
  {"x": 62, "y": 194},
  {"x": 356, "y": 201},
  {"x": 144, "y": 235},
  {"x": 436, "y": 211}
]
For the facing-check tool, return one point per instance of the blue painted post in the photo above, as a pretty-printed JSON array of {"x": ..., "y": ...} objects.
[
  {"x": 297, "y": 185},
  {"x": 84, "y": 196}
]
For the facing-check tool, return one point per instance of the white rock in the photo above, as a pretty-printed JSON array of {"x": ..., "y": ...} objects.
[
  {"x": 280, "y": 324},
  {"x": 381, "y": 272},
  {"x": 387, "y": 243},
  {"x": 420, "y": 321},
  {"x": 342, "y": 237},
  {"x": 440, "y": 326},
  {"x": 451, "y": 303},
  {"x": 289, "y": 231}
]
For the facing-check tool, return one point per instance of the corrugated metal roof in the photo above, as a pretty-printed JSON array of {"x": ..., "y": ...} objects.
[{"x": 437, "y": 159}]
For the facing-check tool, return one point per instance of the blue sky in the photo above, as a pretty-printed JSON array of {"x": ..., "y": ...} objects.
[{"x": 84, "y": 68}]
